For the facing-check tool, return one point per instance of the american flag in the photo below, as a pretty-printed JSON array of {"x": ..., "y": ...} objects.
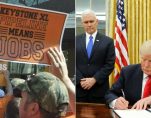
[{"x": 120, "y": 41}]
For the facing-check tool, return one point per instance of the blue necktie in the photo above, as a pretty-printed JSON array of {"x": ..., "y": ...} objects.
[{"x": 89, "y": 46}]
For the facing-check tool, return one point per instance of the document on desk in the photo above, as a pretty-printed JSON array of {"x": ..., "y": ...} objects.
[{"x": 133, "y": 113}]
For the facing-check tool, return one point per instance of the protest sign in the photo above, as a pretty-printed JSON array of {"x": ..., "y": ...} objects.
[{"x": 27, "y": 33}]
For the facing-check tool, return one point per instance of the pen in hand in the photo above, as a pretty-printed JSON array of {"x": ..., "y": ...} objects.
[
  {"x": 123, "y": 93},
  {"x": 126, "y": 102}
]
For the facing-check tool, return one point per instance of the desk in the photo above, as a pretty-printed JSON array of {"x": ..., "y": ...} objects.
[{"x": 89, "y": 110}]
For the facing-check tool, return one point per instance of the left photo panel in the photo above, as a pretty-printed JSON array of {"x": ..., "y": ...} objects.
[{"x": 37, "y": 58}]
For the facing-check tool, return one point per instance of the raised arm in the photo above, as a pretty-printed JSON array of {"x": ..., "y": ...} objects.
[{"x": 58, "y": 60}]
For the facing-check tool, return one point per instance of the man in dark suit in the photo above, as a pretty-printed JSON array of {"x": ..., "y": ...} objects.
[
  {"x": 134, "y": 84},
  {"x": 93, "y": 67}
]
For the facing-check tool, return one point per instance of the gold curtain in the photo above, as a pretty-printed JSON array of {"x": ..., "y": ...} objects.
[{"x": 138, "y": 19}]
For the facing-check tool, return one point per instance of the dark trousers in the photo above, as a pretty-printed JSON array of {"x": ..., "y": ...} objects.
[{"x": 88, "y": 99}]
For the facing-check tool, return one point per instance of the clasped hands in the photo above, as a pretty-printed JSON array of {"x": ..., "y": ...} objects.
[{"x": 87, "y": 83}]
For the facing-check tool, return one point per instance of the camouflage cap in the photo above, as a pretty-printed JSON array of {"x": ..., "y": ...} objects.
[
  {"x": 47, "y": 90},
  {"x": 16, "y": 81}
]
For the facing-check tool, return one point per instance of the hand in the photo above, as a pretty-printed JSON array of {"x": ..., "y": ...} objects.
[
  {"x": 58, "y": 60},
  {"x": 121, "y": 103},
  {"x": 142, "y": 104},
  {"x": 87, "y": 83}
]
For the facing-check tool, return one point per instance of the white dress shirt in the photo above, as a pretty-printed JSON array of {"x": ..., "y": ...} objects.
[{"x": 87, "y": 37}]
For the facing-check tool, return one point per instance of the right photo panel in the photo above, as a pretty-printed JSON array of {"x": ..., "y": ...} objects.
[{"x": 113, "y": 58}]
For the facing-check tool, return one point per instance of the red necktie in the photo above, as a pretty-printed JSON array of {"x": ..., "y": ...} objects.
[{"x": 147, "y": 88}]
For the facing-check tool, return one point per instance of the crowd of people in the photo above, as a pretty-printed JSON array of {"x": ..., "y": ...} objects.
[{"x": 41, "y": 95}]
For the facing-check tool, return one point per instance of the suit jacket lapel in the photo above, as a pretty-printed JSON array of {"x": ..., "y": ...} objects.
[
  {"x": 96, "y": 43},
  {"x": 140, "y": 81},
  {"x": 83, "y": 45}
]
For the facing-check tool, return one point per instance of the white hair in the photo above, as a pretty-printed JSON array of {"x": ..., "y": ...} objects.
[
  {"x": 146, "y": 48},
  {"x": 88, "y": 12}
]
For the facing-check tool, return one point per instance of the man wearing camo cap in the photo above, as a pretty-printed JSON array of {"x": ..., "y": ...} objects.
[{"x": 43, "y": 96}]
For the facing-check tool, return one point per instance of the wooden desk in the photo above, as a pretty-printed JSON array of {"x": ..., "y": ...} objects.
[{"x": 89, "y": 110}]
